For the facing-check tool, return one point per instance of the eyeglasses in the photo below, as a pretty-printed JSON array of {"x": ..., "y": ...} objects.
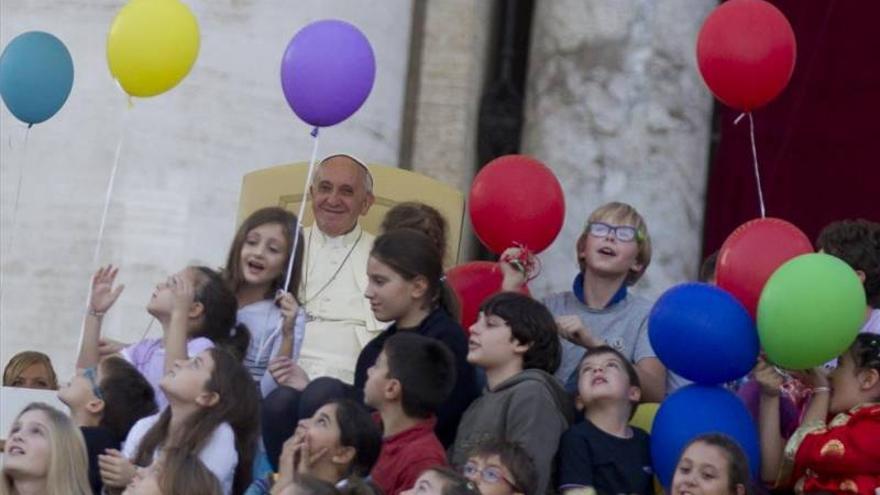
[
  {"x": 489, "y": 474},
  {"x": 92, "y": 375},
  {"x": 623, "y": 233}
]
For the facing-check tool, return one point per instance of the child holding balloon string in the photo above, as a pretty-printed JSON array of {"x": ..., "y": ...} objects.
[
  {"x": 837, "y": 456},
  {"x": 613, "y": 252},
  {"x": 256, "y": 271}
]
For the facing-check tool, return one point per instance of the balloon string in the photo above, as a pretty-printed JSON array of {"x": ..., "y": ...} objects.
[
  {"x": 11, "y": 243},
  {"x": 297, "y": 235},
  {"x": 754, "y": 159},
  {"x": 109, "y": 192},
  {"x": 302, "y": 208},
  {"x": 103, "y": 223},
  {"x": 22, "y": 167}
]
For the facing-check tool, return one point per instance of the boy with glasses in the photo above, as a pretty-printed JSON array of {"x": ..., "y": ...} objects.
[
  {"x": 613, "y": 253},
  {"x": 105, "y": 402},
  {"x": 500, "y": 467}
]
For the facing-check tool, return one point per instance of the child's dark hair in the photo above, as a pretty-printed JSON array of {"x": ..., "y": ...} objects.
[
  {"x": 358, "y": 430},
  {"x": 628, "y": 367},
  {"x": 425, "y": 369},
  {"x": 183, "y": 472},
  {"x": 418, "y": 216},
  {"x": 411, "y": 253},
  {"x": 238, "y": 405},
  {"x": 271, "y": 215},
  {"x": 865, "y": 351},
  {"x": 127, "y": 395},
  {"x": 738, "y": 463},
  {"x": 456, "y": 484},
  {"x": 514, "y": 458},
  {"x": 857, "y": 242},
  {"x": 220, "y": 312},
  {"x": 530, "y": 324},
  {"x": 707, "y": 269}
]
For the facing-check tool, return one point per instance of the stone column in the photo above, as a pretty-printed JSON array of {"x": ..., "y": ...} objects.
[
  {"x": 615, "y": 106},
  {"x": 439, "y": 139}
]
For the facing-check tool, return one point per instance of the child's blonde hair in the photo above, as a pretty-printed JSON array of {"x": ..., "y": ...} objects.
[
  {"x": 68, "y": 460},
  {"x": 620, "y": 214}
]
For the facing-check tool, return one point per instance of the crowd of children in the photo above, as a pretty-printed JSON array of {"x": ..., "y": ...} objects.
[{"x": 535, "y": 397}]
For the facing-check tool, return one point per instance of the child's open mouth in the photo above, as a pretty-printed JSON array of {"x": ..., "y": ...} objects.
[
  {"x": 607, "y": 251},
  {"x": 256, "y": 266}
]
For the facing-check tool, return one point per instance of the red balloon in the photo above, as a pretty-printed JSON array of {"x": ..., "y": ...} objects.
[
  {"x": 753, "y": 252},
  {"x": 746, "y": 52},
  {"x": 516, "y": 200},
  {"x": 473, "y": 283}
]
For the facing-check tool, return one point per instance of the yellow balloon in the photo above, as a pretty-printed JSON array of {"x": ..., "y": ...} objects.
[
  {"x": 152, "y": 46},
  {"x": 644, "y": 416}
]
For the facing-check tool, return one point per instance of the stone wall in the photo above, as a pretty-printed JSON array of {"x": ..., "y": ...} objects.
[{"x": 616, "y": 108}]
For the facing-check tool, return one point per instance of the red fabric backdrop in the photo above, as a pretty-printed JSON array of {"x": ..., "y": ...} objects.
[{"x": 818, "y": 142}]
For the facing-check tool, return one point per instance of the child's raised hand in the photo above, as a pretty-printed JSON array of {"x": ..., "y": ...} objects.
[
  {"x": 571, "y": 328},
  {"x": 768, "y": 378},
  {"x": 103, "y": 294},
  {"x": 514, "y": 274},
  {"x": 289, "y": 307},
  {"x": 109, "y": 347},
  {"x": 286, "y": 372},
  {"x": 116, "y": 471},
  {"x": 182, "y": 293}
]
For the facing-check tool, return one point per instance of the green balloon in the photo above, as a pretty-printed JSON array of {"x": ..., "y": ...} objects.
[{"x": 810, "y": 311}]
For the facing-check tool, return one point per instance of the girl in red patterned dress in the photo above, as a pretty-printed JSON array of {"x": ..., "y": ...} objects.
[{"x": 841, "y": 456}]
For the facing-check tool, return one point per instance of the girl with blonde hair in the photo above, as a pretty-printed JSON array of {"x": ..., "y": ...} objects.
[{"x": 44, "y": 454}]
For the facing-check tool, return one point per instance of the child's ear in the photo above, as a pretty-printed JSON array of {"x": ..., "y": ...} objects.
[
  {"x": 861, "y": 275},
  {"x": 579, "y": 403},
  {"x": 868, "y": 378},
  {"x": 196, "y": 309},
  {"x": 637, "y": 267},
  {"x": 519, "y": 348},
  {"x": 208, "y": 399},
  {"x": 634, "y": 394},
  {"x": 419, "y": 287},
  {"x": 393, "y": 390},
  {"x": 344, "y": 456},
  {"x": 95, "y": 406}
]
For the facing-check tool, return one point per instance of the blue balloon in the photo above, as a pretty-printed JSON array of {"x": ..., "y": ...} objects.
[
  {"x": 703, "y": 333},
  {"x": 36, "y": 75},
  {"x": 692, "y": 411}
]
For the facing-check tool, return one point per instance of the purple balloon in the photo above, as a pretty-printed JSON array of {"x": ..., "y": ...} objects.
[{"x": 327, "y": 72}]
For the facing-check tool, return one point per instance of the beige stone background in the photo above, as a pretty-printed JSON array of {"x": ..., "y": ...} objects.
[{"x": 614, "y": 106}]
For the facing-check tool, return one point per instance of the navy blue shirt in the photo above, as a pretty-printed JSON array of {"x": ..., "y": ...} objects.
[
  {"x": 437, "y": 325},
  {"x": 589, "y": 456}
]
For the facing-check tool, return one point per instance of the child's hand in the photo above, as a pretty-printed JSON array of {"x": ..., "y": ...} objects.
[
  {"x": 116, "y": 470},
  {"x": 304, "y": 459},
  {"x": 768, "y": 378},
  {"x": 182, "y": 293},
  {"x": 571, "y": 328},
  {"x": 286, "y": 464},
  {"x": 103, "y": 294},
  {"x": 289, "y": 307},
  {"x": 514, "y": 275},
  {"x": 286, "y": 372},
  {"x": 109, "y": 347},
  {"x": 813, "y": 378}
]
